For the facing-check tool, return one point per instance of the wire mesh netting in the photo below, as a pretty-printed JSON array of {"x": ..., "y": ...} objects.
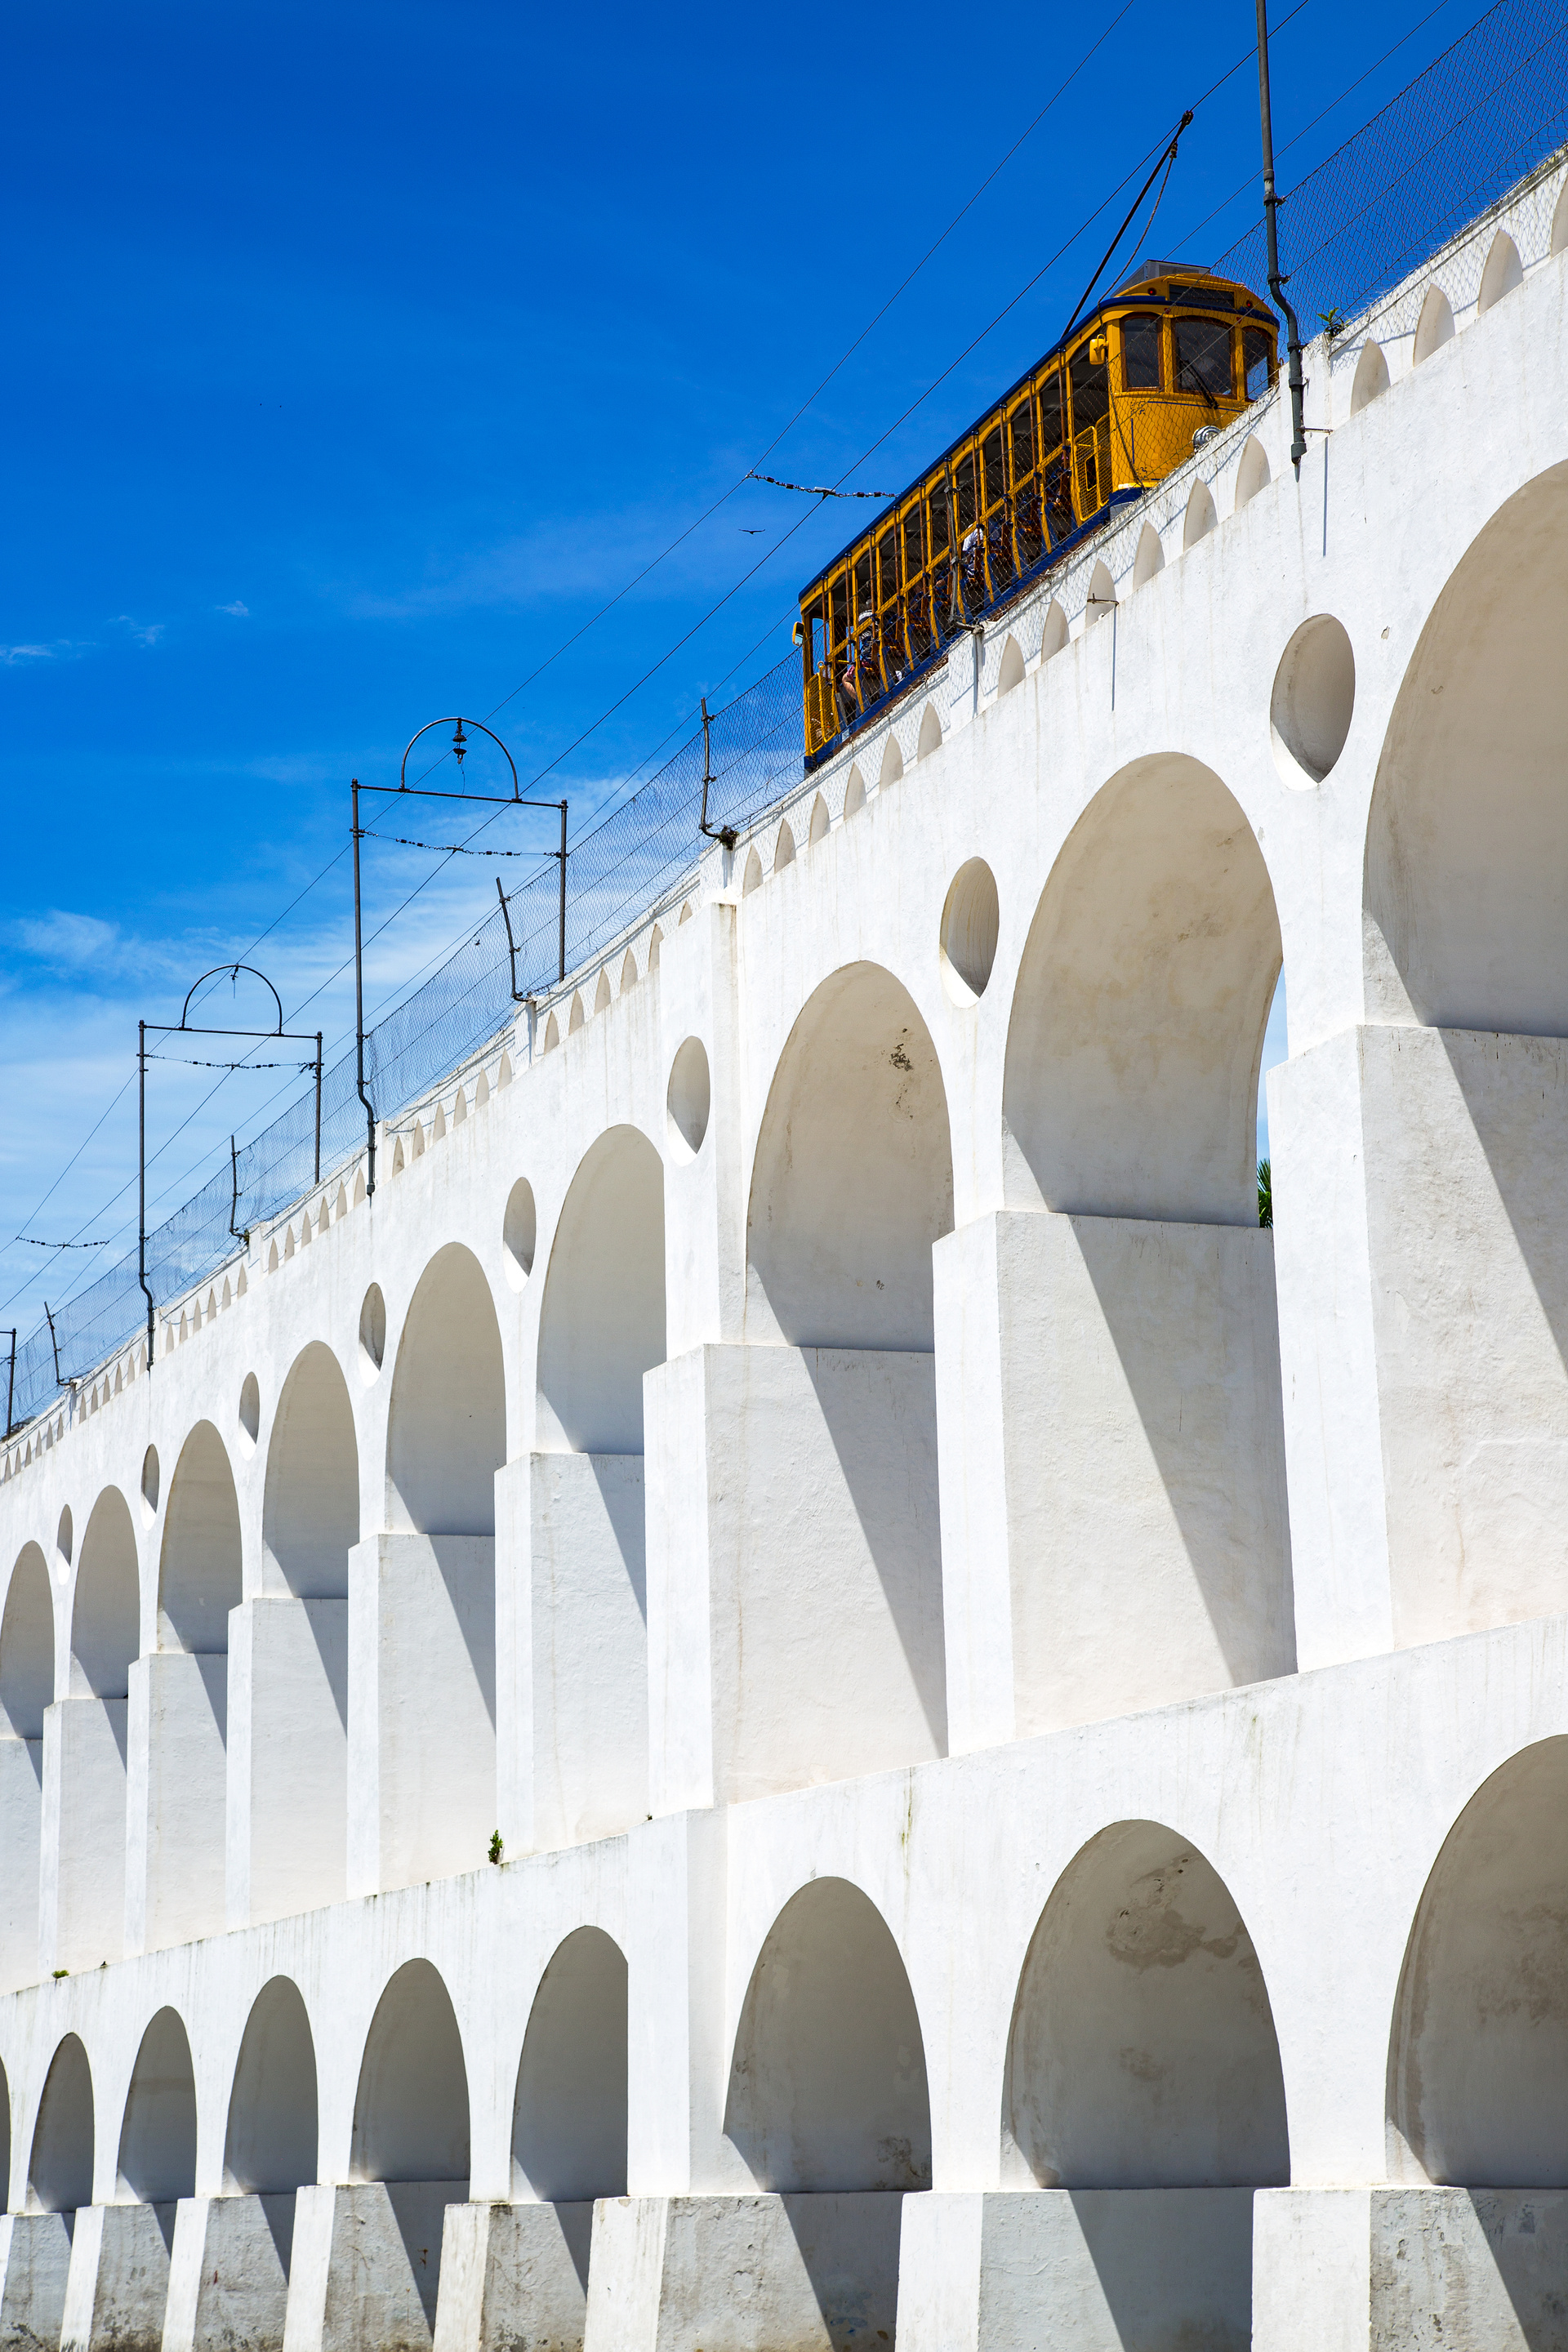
[
  {"x": 622, "y": 869},
  {"x": 1473, "y": 124}
]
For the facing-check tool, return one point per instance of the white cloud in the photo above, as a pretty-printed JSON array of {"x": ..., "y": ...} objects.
[
  {"x": 241, "y": 612},
  {"x": 145, "y": 633}
]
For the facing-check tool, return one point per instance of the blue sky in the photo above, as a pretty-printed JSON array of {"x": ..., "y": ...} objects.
[{"x": 355, "y": 357}]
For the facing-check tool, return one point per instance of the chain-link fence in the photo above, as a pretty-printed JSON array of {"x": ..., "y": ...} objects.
[
  {"x": 621, "y": 869},
  {"x": 1473, "y": 124}
]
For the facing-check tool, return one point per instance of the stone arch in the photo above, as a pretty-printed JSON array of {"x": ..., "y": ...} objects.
[
  {"x": 106, "y": 1604},
  {"x": 890, "y": 771},
  {"x": 27, "y": 1691},
  {"x": 1371, "y": 377},
  {"x": 447, "y": 1430},
  {"x": 59, "y": 2166},
  {"x": 271, "y": 2139},
  {"x": 1560, "y": 221},
  {"x": 551, "y": 1034},
  {"x": 1149, "y": 557},
  {"x": 1101, "y": 596},
  {"x": 1468, "y": 832},
  {"x": 817, "y": 830},
  {"x": 783, "y": 847},
  {"x": 752, "y": 878},
  {"x": 602, "y": 1324},
  {"x": 929, "y": 735},
  {"x": 569, "y": 2116},
  {"x": 1435, "y": 327},
  {"x": 411, "y": 2105},
  {"x": 630, "y": 971},
  {"x": 576, "y": 1016},
  {"x": 1055, "y": 634},
  {"x": 1200, "y": 517},
  {"x": 199, "y": 1569},
  {"x": 26, "y": 1648},
  {"x": 1131, "y": 1083},
  {"x": 1504, "y": 271},
  {"x": 1478, "y": 2056},
  {"x": 311, "y": 1507},
  {"x": 1252, "y": 472},
  {"x": 828, "y": 2081},
  {"x": 852, "y": 1180},
  {"x": 1142, "y": 2052},
  {"x": 158, "y": 2136},
  {"x": 854, "y": 792},
  {"x": 1011, "y": 673},
  {"x": 603, "y": 993}
]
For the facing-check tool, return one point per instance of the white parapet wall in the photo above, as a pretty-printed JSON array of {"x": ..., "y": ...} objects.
[{"x": 797, "y": 1691}]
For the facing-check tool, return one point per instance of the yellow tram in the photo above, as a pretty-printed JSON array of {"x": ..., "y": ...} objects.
[{"x": 1105, "y": 414}]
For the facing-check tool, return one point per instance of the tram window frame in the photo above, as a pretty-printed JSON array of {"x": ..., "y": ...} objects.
[
  {"x": 1081, "y": 371},
  {"x": 1218, "y": 334},
  {"x": 994, "y": 468},
  {"x": 1259, "y": 356},
  {"x": 1145, "y": 325},
  {"x": 886, "y": 545},
  {"x": 965, "y": 491},
  {"x": 1024, "y": 409},
  {"x": 938, "y": 519}
]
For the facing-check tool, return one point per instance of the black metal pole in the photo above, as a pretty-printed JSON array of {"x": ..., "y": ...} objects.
[
  {"x": 141, "y": 1183},
  {"x": 561, "y": 974},
  {"x": 54, "y": 1344},
  {"x": 318, "y": 1106},
  {"x": 359, "y": 1007},
  {"x": 1271, "y": 208},
  {"x": 234, "y": 1189}
]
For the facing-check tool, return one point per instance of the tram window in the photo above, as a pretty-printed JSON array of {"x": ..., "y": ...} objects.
[
  {"x": 1203, "y": 297},
  {"x": 888, "y": 566},
  {"x": 1051, "y": 414},
  {"x": 963, "y": 482},
  {"x": 1022, "y": 431},
  {"x": 1090, "y": 390},
  {"x": 1259, "y": 356},
  {"x": 1202, "y": 358},
  {"x": 863, "y": 599},
  {"x": 914, "y": 544},
  {"x": 938, "y": 522},
  {"x": 838, "y": 612},
  {"x": 996, "y": 477},
  {"x": 1141, "y": 354}
]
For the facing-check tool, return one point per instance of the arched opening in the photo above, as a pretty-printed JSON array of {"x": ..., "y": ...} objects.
[
  {"x": 783, "y": 848},
  {"x": 296, "y": 1647},
  {"x": 889, "y": 773},
  {"x": 833, "y": 1662},
  {"x": 1143, "y": 1307},
  {"x": 929, "y": 735},
  {"x": 411, "y": 2121},
  {"x": 270, "y": 2142},
  {"x": 1142, "y": 2057},
  {"x": 1251, "y": 472},
  {"x": 175, "y": 1889},
  {"x": 1463, "y": 937},
  {"x": 1131, "y": 1084},
  {"x": 1011, "y": 672},
  {"x": 601, "y": 1331},
  {"x": 1151, "y": 556},
  {"x": 817, "y": 830},
  {"x": 602, "y": 1324},
  {"x": 1435, "y": 327},
  {"x": 855, "y": 792},
  {"x": 1055, "y": 634},
  {"x": 569, "y": 2118},
  {"x": 1478, "y": 2059},
  {"x": 1560, "y": 221},
  {"x": 971, "y": 920},
  {"x": 1200, "y": 517},
  {"x": 827, "y": 2083},
  {"x": 1101, "y": 597},
  {"x": 853, "y": 1177},
  {"x": 92, "y": 1737},
  {"x": 752, "y": 879},
  {"x": 59, "y": 2168},
  {"x": 1504, "y": 271},
  {"x": 27, "y": 1692},
  {"x": 447, "y": 1435},
  {"x": 1371, "y": 377},
  {"x": 430, "y": 1752},
  {"x": 158, "y": 2137}
]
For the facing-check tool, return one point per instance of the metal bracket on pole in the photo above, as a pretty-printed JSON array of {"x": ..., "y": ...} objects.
[
  {"x": 185, "y": 1027},
  {"x": 724, "y": 832},
  {"x": 460, "y": 748}
]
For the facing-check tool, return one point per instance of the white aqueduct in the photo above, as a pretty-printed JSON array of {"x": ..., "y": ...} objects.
[{"x": 1028, "y": 1716}]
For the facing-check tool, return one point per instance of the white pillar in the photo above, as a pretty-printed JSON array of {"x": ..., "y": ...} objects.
[
  {"x": 287, "y": 1757},
  {"x": 118, "y": 2288},
  {"x": 1108, "y": 1394},
  {"x": 38, "y": 2250},
  {"x": 177, "y": 1803},
  {"x": 228, "y": 2275},
  {"x": 422, "y": 1749},
  {"x": 82, "y": 1885},
  {"x": 366, "y": 2267},
  {"x": 21, "y": 1829},
  {"x": 513, "y": 2275},
  {"x": 744, "y": 2274}
]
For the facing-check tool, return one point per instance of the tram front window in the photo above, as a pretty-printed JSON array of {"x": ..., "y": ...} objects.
[
  {"x": 1141, "y": 354},
  {"x": 1202, "y": 358},
  {"x": 1090, "y": 390},
  {"x": 1258, "y": 354}
]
